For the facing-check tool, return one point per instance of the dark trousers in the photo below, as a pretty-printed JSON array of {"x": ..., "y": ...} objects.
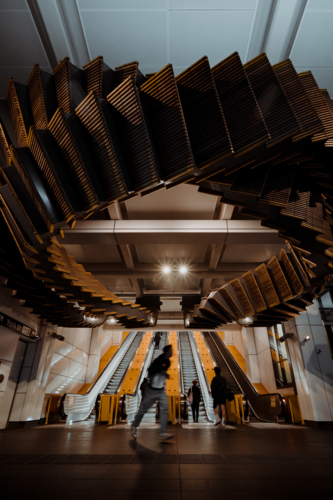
[
  {"x": 195, "y": 411},
  {"x": 157, "y": 344}
]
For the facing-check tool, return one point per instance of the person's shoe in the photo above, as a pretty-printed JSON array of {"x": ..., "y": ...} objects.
[
  {"x": 134, "y": 431},
  {"x": 165, "y": 435},
  {"x": 218, "y": 423},
  {"x": 222, "y": 424}
]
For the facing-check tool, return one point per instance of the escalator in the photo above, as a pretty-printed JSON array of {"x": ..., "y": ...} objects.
[
  {"x": 189, "y": 374},
  {"x": 266, "y": 407},
  {"x": 118, "y": 375},
  {"x": 150, "y": 416}
]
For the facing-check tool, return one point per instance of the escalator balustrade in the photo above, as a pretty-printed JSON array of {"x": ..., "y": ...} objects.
[
  {"x": 266, "y": 407},
  {"x": 189, "y": 374}
]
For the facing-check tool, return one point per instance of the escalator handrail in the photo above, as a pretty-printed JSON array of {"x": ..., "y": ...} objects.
[
  {"x": 214, "y": 360},
  {"x": 201, "y": 372},
  {"x": 255, "y": 392},
  {"x": 203, "y": 368},
  {"x": 238, "y": 366},
  {"x": 231, "y": 372},
  {"x": 136, "y": 398},
  {"x": 110, "y": 360},
  {"x": 129, "y": 365},
  {"x": 180, "y": 368},
  {"x": 143, "y": 366},
  {"x": 82, "y": 404}
]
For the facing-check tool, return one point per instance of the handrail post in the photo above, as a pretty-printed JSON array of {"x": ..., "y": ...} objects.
[
  {"x": 111, "y": 410},
  {"x": 100, "y": 409},
  {"x": 300, "y": 411},
  {"x": 116, "y": 409},
  {"x": 48, "y": 410},
  {"x": 291, "y": 411},
  {"x": 242, "y": 408}
]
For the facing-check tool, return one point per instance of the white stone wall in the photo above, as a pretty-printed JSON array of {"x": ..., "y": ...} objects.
[
  {"x": 8, "y": 346},
  {"x": 69, "y": 361},
  {"x": 312, "y": 364}
]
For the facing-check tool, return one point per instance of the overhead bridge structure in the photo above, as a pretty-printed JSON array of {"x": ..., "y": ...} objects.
[
  {"x": 195, "y": 355},
  {"x": 75, "y": 141}
]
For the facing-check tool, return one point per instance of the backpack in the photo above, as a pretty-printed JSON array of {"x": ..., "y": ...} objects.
[
  {"x": 229, "y": 394},
  {"x": 190, "y": 397}
]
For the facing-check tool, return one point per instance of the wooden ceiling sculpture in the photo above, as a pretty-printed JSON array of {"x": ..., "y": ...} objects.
[{"x": 259, "y": 136}]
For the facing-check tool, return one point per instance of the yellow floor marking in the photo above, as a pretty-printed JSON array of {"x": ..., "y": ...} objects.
[{"x": 136, "y": 365}]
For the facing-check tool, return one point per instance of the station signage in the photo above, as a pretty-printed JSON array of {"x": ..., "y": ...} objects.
[{"x": 17, "y": 327}]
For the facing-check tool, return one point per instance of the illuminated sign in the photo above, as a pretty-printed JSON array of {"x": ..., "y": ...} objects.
[{"x": 17, "y": 327}]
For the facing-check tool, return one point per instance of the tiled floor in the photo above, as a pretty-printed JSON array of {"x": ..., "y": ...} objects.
[{"x": 83, "y": 462}]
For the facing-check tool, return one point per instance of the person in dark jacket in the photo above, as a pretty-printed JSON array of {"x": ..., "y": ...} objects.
[
  {"x": 155, "y": 391},
  {"x": 218, "y": 386},
  {"x": 157, "y": 340},
  {"x": 196, "y": 400},
  {"x": 144, "y": 386}
]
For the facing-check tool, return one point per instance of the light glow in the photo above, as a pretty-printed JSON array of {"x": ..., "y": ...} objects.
[
  {"x": 166, "y": 269},
  {"x": 183, "y": 269}
]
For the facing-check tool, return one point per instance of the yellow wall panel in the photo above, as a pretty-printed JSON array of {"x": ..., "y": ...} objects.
[{"x": 238, "y": 357}]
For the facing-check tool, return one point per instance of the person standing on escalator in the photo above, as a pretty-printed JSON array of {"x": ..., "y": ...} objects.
[
  {"x": 156, "y": 392},
  {"x": 196, "y": 397},
  {"x": 157, "y": 340},
  {"x": 218, "y": 386}
]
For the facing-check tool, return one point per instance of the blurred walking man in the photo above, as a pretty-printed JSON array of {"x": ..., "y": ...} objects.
[{"x": 156, "y": 392}]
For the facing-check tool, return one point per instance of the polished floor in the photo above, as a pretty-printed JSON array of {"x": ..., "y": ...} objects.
[{"x": 255, "y": 461}]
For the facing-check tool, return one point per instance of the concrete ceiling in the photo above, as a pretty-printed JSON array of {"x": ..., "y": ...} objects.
[{"x": 158, "y": 32}]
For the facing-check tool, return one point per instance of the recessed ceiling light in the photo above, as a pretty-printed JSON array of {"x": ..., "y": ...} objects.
[
  {"x": 166, "y": 269},
  {"x": 183, "y": 269}
]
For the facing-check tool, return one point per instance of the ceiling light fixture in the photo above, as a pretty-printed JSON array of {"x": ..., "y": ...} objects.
[
  {"x": 183, "y": 269},
  {"x": 307, "y": 338},
  {"x": 166, "y": 269}
]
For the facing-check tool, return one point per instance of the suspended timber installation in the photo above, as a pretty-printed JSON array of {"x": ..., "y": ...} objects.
[{"x": 258, "y": 136}]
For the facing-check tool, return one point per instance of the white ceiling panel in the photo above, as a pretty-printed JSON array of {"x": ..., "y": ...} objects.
[
  {"x": 125, "y": 36},
  {"x": 251, "y": 253},
  {"x": 116, "y": 285},
  {"x": 93, "y": 253},
  {"x": 122, "y": 4},
  {"x": 216, "y": 34},
  {"x": 13, "y": 5},
  {"x": 170, "y": 254},
  {"x": 175, "y": 285},
  {"x": 319, "y": 5},
  {"x": 171, "y": 305},
  {"x": 212, "y": 4},
  {"x": 179, "y": 203},
  {"x": 19, "y": 37},
  {"x": 313, "y": 45}
]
